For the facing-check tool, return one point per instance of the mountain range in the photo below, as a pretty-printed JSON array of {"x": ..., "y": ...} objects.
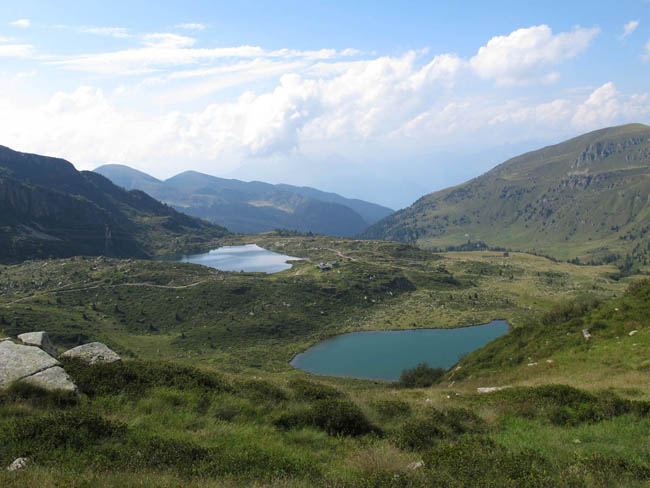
[
  {"x": 252, "y": 207},
  {"x": 586, "y": 198},
  {"x": 49, "y": 209}
]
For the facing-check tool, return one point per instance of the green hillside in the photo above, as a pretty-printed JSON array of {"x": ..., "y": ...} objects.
[
  {"x": 49, "y": 209},
  {"x": 253, "y": 207},
  {"x": 205, "y": 396},
  {"x": 588, "y": 197}
]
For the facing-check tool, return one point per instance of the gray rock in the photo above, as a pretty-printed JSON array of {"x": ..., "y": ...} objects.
[
  {"x": 18, "y": 361},
  {"x": 39, "y": 339},
  {"x": 19, "y": 463},
  {"x": 416, "y": 465},
  {"x": 52, "y": 379},
  {"x": 92, "y": 353},
  {"x": 490, "y": 389}
]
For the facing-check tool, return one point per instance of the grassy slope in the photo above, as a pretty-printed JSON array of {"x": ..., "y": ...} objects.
[
  {"x": 192, "y": 313},
  {"x": 585, "y": 197},
  {"x": 175, "y": 427}
]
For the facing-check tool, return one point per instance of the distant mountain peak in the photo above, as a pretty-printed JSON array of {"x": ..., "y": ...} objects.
[{"x": 254, "y": 206}]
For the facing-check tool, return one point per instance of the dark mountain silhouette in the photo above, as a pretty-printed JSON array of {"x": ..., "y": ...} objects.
[{"x": 48, "y": 208}]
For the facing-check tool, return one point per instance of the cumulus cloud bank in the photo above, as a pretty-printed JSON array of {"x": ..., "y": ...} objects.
[
  {"x": 525, "y": 55},
  {"x": 338, "y": 99}
]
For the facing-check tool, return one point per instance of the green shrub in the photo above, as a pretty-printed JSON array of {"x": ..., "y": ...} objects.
[
  {"x": 422, "y": 433},
  {"x": 565, "y": 405},
  {"x": 392, "y": 408},
  {"x": 334, "y": 416},
  {"x": 135, "y": 377},
  {"x": 77, "y": 429},
  {"x": 479, "y": 461},
  {"x": 421, "y": 376},
  {"x": 569, "y": 310},
  {"x": 261, "y": 390},
  {"x": 37, "y": 397},
  {"x": 306, "y": 390}
]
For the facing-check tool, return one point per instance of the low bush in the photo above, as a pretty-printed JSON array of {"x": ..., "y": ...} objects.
[
  {"x": 334, "y": 416},
  {"x": 565, "y": 405},
  {"x": 479, "y": 461},
  {"x": 37, "y": 436},
  {"x": 37, "y": 397},
  {"x": 260, "y": 390},
  {"x": 135, "y": 377},
  {"x": 392, "y": 408},
  {"x": 421, "y": 376},
  {"x": 306, "y": 390},
  {"x": 420, "y": 434},
  {"x": 569, "y": 310}
]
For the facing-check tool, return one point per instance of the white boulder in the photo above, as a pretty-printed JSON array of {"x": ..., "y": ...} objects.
[
  {"x": 52, "y": 379},
  {"x": 39, "y": 339},
  {"x": 92, "y": 353},
  {"x": 18, "y": 362},
  {"x": 19, "y": 463}
]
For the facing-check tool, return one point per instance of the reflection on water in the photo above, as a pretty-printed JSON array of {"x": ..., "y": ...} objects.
[{"x": 249, "y": 257}]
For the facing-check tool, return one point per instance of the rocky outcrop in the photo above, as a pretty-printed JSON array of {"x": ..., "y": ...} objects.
[
  {"x": 490, "y": 389},
  {"x": 52, "y": 379},
  {"x": 18, "y": 362},
  {"x": 39, "y": 339},
  {"x": 92, "y": 353},
  {"x": 31, "y": 364},
  {"x": 18, "y": 463}
]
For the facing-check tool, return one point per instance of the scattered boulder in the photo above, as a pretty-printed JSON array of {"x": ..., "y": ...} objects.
[
  {"x": 39, "y": 339},
  {"x": 632, "y": 332},
  {"x": 18, "y": 463},
  {"x": 92, "y": 353},
  {"x": 586, "y": 334},
  {"x": 490, "y": 389},
  {"x": 52, "y": 379},
  {"x": 416, "y": 465},
  {"x": 18, "y": 361}
]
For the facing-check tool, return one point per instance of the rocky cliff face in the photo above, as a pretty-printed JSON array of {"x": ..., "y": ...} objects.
[{"x": 48, "y": 208}]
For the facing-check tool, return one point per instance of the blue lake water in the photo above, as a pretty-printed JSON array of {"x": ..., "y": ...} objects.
[
  {"x": 382, "y": 355},
  {"x": 249, "y": 257}
]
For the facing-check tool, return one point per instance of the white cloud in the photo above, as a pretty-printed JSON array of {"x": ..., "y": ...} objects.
[
  {"x": 646, "y": 56},
  {"x": 191, "y": 26},
  {"x": 629, "y": 28},
  {"x": 21, "y": 23},
  {"x": 525, "y": 54},
  {"x": 162, "y": 51},
  {"x": 311, "y": 101},
  {"x": 25, "y": 74},
  {"x": 117, "y": 32},
  {"x": 168, "y": 41},
  {"x": 16, "y": 50},
  {"x": 607, "y": 106}
]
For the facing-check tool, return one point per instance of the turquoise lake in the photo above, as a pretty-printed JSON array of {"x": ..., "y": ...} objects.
[
  {"x": 249, "y": 257},
  {"x": 382, "y": 355}
]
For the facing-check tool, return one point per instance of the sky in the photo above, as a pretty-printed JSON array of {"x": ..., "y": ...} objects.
[{"x": 384, "y": 101}]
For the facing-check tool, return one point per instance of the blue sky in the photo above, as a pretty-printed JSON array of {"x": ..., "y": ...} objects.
[{"x": 379, "y": 100}]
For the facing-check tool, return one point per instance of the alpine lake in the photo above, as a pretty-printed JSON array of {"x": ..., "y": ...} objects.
[{"x": 377, "y": 355}]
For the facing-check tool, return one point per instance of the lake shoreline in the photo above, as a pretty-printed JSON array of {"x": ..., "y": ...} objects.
[{"x": 439, "y": 333}]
